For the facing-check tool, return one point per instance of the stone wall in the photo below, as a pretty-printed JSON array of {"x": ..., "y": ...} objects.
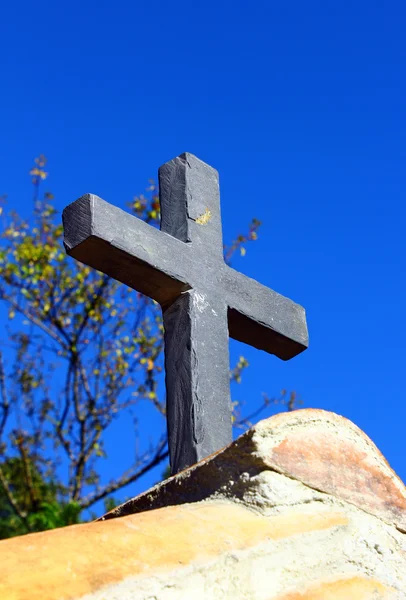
[{"x": 301, "y": 507}]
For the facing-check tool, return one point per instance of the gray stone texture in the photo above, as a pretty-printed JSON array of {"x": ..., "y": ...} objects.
[{"x": 203, "y": 300}]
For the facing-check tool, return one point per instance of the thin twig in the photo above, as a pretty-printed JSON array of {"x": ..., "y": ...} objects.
[
  {"x": 103, "y": 285},
  {"x": 113, "y": 486},
  {"x": 33, "y": 319},
  {"x": 5, "y": 403},
  {"x": 12, "y": 501},
  {"x": 27, "y": 470}
]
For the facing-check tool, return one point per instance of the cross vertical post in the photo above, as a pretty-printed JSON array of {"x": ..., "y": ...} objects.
[{"x": 196, "y": 337}]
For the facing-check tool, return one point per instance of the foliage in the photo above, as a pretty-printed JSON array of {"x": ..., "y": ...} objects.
[
  {"x": 33, "y": 508},
  {"x": 81, "y": 349}
]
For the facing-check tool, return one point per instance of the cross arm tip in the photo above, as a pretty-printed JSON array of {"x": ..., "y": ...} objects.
[
  {"x": 78, "y": 220},
  {"x": 262, "y": 318}
]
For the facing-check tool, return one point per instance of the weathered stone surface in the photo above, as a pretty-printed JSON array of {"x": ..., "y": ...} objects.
[
  {"x": 323, "y": 450},
  {"x": 355, "y": 588},
  {"x": 246, "y": 523},
  {"x": 203, "y": 300}
]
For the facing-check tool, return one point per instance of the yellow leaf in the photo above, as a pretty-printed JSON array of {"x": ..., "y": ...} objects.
[
  {"x": 243, "y": 251},
  {"x": 204, "y": 218},
  {"x": 38, "y": 173},
  {"x": 150, "y": 364}
]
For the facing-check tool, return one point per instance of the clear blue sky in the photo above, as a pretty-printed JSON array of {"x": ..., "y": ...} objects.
[{"x": 301, "y": 108}]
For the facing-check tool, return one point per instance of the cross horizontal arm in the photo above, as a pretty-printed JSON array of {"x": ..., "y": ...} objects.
[
  {"x": 124, "y": 247},
  {"x": 262, "y": 318}
]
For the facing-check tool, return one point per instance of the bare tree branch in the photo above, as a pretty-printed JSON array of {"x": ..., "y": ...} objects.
[
  {"x": 125, "y": 479},
  {"x": 32, "y": 318},
  {"x": 12, "y": 501},
  {"x": 27, "y": 468},
  {"x": 95, "y": 300},
  {"x": 5, "y": 403},
  {"x": 61, "y": 423}
]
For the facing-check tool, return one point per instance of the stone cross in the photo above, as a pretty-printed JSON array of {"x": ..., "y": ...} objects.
[{"x": 203, "y": 300}]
